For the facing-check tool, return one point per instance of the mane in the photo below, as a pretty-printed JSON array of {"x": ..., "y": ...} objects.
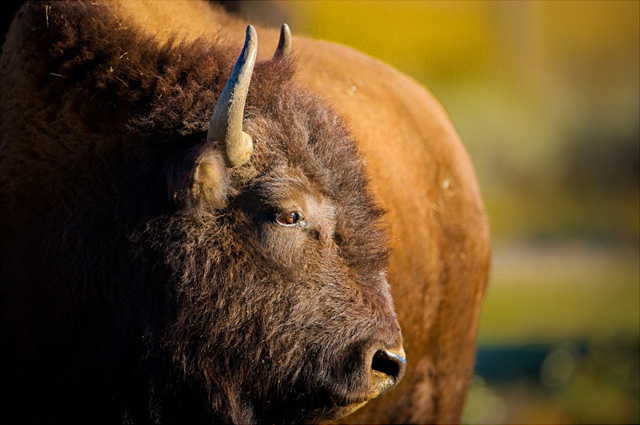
[{"x": 90, "y": 56}]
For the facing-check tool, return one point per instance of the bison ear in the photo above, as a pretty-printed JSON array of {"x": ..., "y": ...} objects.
[
  {"x": 199, "y": 180},
  {"x": 210, "y": 183}
]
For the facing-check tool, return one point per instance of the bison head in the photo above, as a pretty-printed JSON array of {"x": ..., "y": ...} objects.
[{"x": 273, "y": 263}]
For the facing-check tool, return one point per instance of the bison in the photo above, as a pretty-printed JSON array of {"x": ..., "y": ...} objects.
[{"x": 188, "y": 235}]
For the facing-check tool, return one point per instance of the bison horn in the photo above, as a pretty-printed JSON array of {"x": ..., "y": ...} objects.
[
  {"x": 284, "y": 45},
  {"x": 226, "y": 120}
]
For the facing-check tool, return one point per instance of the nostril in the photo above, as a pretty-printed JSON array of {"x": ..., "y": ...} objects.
[
  {"x": 387, "y": 369},
  {"x": 390, "y": 363},
  {"x": 385, "y": 362}
]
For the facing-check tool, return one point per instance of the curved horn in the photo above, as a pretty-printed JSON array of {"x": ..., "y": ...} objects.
[
  {"x": 226, "y": 120},
  {"x": 284, "y": 45}
]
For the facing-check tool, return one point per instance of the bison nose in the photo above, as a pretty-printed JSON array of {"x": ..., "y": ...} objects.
[{"x": 387, "y": 369}]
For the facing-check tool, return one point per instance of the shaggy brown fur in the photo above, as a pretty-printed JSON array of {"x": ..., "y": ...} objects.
[{"x": 142, "y": 281}]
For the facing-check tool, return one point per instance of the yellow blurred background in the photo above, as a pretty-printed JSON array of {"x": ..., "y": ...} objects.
[{"x": 545, "y": 95}]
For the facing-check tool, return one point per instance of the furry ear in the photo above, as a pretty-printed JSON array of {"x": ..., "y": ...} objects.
[{"x": 198, "y": 179}]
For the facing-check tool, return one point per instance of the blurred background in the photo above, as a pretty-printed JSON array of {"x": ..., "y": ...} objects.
[{"x": 545, "y": 96}]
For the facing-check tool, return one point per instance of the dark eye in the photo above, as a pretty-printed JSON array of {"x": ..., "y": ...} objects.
[{"x": 288, "y": 218}]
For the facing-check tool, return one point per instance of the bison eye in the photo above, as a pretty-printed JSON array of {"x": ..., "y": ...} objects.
[{"x": 288, "y": 218}]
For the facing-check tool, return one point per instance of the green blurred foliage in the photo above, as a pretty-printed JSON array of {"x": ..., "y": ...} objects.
[
  {"x": 595, "y": 382},
  {"x": 542, "y": 295}
]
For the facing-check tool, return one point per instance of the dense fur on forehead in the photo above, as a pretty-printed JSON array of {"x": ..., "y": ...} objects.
[{"x": 303, "y": 136}]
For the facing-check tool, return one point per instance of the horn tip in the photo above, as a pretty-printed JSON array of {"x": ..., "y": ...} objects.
[
  {"x": 251, "y": 32},
  {"x": 284, "y": 44}
]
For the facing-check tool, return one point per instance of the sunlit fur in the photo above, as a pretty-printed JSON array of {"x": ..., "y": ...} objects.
[{"x": 142, "y": 280}]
